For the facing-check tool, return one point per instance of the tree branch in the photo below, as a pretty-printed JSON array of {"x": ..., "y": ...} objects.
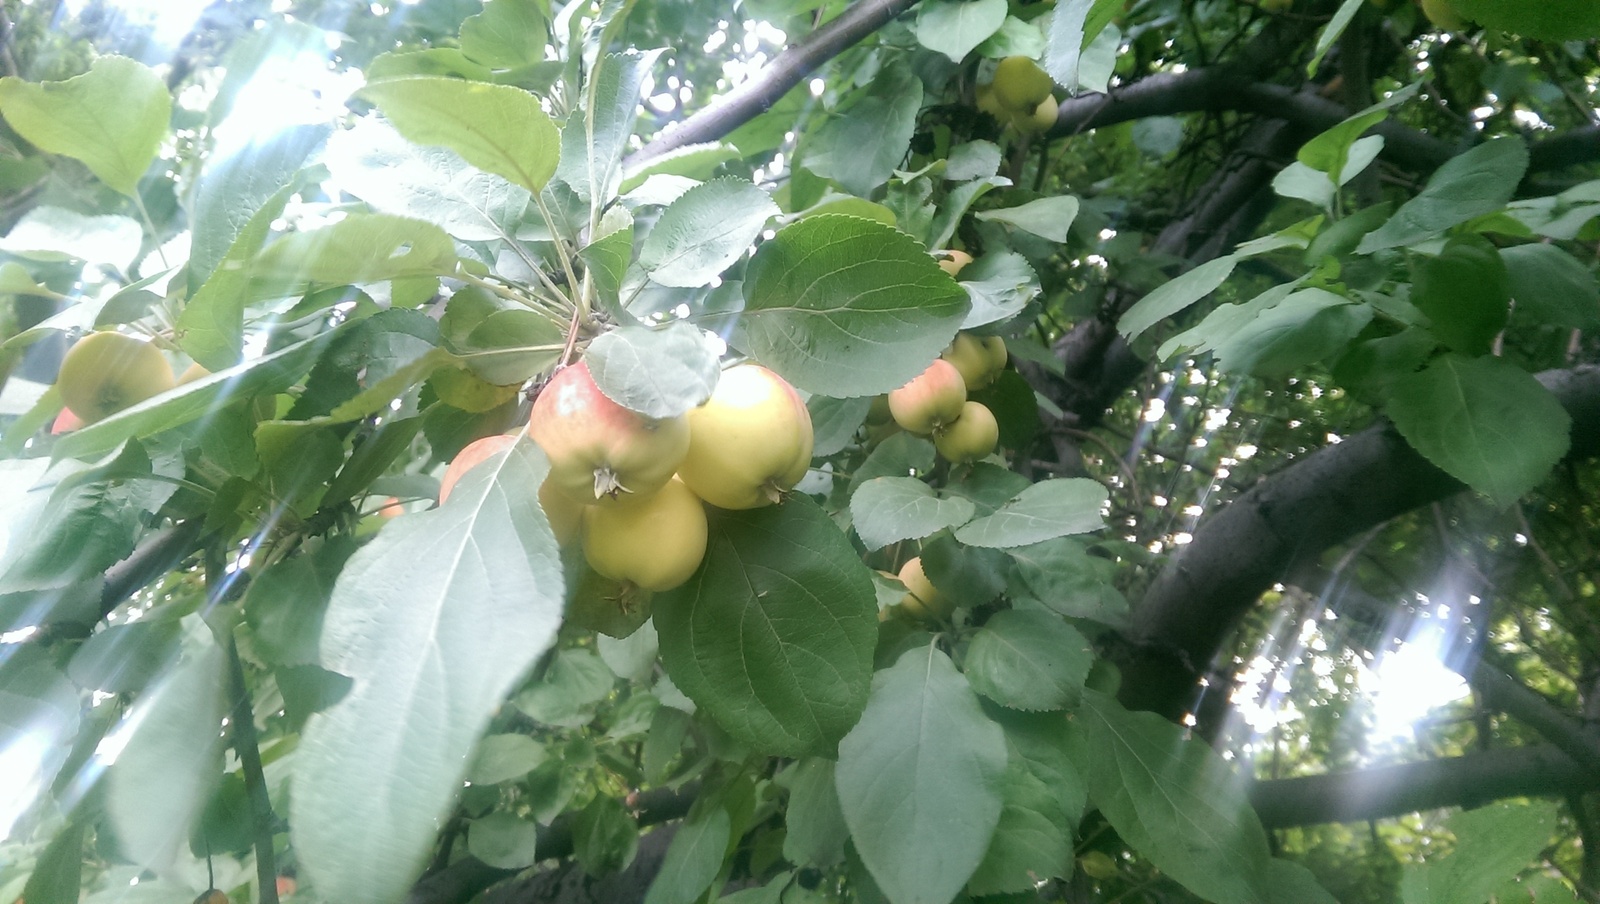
[
  {"x": 1503, "y": 692},
  {"x": 1291, "y": 517},
  {"x": 752, "y": 98},
  {"x": 467, "y": 877},
  {"x": 1463, "y": 781}
]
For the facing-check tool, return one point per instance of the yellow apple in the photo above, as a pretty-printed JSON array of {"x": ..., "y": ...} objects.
[{"x": 750, "y": 442}]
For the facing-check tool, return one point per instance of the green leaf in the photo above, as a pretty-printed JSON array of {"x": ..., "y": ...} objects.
[
  {"x": 1014, "y": 38},
  {"x": 569, "y": 690},
  {"x": 164, "y": 775},
  {"x": 506, "y": 35},
  {"x": 968, "y": 575},
  {"x": 48, "y": 233},
  {"x": 1330, "y": 33},
  {"x": 593, "y": 141},
  {"x": 503, "y": 841},
  {"x": 920, "y": 779},
  {"x": 1471, "y": 184},
  {"x": 239, "y": 182},
  {"x": 266, "y": 375},
  {"x": 508, "y": 347},
  {"x": 973, "y": 160},
  {"x": 1175, "y": 295},
  {"x": 861, "y": 147},
  {"x": 1043, "y": 799},
  {"x": 1029, "y": 661},
  {"x": 1000, "y": 285},
  {"x": 660, "y": 373},
  {"x": 816, "y": 827},
  {"x": 210, "y": 327},
  {"x": 434, "y": 184},
  {"x": 899, "y": 455},
  {"x": 704, "y": 231},
  {"x": 59, "y": 870},
  {"x": 1060, "y": 574},
  {"x": 1493, "y": 844},
  {"x": 1073, "y": 27},
  {"x": 477, "y": 584},
  {"x": 113, "y": 118},
  {"x": 874, "y": 306},
  {"x": 610, "y": 252},
  {"x": 887, "y": 510},
  {"x": 1484, "y": 421},
  {"x": 834, "y": 422},
  {"x": 1048, "y": 218},
  {"x": 955, "y": 27},
  {"x": 1172, "y": 798},
  {"x": 1466, "y": 294},
  {"x": 605, "y": 838},
  {"x": 693, "y": 161},
  {"x": 1306, "y": 327},
  {"x": 361, "y": 248},
  {"x": 1327, "y": 152},
  {"x": 503, "y": 757},
  {"x": 1552, "y": 20},
  {"x": 1551, "y": 286},
  {"x": 773, "y": 636},
  {"x": 40, "y": 713},
  {"x": 694, "y": 857},
  {"x": 124, "y": 659},
  {"x": 1050, "y": 508},
  {"x": 496, "y": 128}
]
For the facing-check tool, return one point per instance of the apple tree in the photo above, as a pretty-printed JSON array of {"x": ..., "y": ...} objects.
[{"x": 644, "y": 450}]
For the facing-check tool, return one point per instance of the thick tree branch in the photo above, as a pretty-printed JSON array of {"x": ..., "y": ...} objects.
[
  {"x": 752, "y": 98},
  {"x": 1288, "y": 518},
  {"x": 1464, "y": 781},
  {"x": 1510, "y": 696}
]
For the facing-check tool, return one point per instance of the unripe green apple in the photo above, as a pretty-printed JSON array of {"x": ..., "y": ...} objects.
[
  {"x": 654, "y": 543},
  {"x": 932, "y": 398},
  {"x": 1020, "y": 84},
  {"x": 106, "y": 372},
  {"x": 973, "y": 436},
  {"x": 750, "y": 442},
  {"x": 974, "y": 357},
  {"x": 1040, "y": 118},
  {"x": 598, "y": 450}
]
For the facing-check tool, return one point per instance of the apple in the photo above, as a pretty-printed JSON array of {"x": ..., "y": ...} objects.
[
  {"x": 105, "y": 372},
  {"x": 65, "y": 422},
  {"x": 973, "y": 436},
  {"x": 1020, "y": 84},
  {"x": 952, "y": 261},
  {"x": 922, "y": 600},
  {"x": 600, "y": 451},
  {"x": 750, "y": 442},
  {"x": 564, "y": 514},
  {"x": 192, "y": 373},
  {"x": 391, "y": 508},
  {"x": 1040, "y": 118},
  {"x": 931, "y": 400},
  {"x": 975, "y": 357},
  {"x": 1443, "y": 15},
  {"x": 653, "y": 543}
]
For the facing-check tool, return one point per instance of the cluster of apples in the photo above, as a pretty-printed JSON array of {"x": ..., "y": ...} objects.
[
  {"x": 1020, "y": 96},
  {"x": 632, "y": 488},
  {"x": 934, "y": 403}
]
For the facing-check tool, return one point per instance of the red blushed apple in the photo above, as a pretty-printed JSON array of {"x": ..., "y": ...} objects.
[
  {"x": 931, "y": 400},
  {"x": 600, "y": 451}
]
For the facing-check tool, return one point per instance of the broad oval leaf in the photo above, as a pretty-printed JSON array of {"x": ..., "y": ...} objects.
[
  {"x": 706, "y": 229},
  {"x": 773, "y": 637},
  {"x": 596, "y": 135},
  {"x": 1048, "y": 509},
  {"x": 1483, "y": 421},
  {"x": 434, "y": 622},
  {"x": 1477, "y": 182},
  {"x": 659, "y": 373},
  {"x": 1029, "y": 660},
  {"x": 920, "y": 779},
  {"x": 860, "y": 147},
  {"x": 233, "y": 190},
  {"x": 1048, "y": 218},
  {"x": 693, "y": 858},
  {"x": 172, "y": 758},
  {"x": 1000, "y": 285},
  {"x": 873, "y": 306},
  {"x": 1175, "y": 295},
  {"x": 360, "y": 248},
  {"x": 113, "y": 117},
  {"x": 1172, "y": 798},
  {"x": 1550, "y": 285},
  {"x": 496, "y": 128},
  {"x": 955, "y": 27},
  {"x": 1043, "y": 799},
  {"x": 890, "y": 509},
  {"x": 503, "y": 840}
]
